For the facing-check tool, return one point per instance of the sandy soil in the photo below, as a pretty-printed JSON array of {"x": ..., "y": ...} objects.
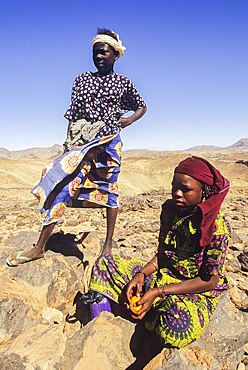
[{"x": 140, "y": 172}]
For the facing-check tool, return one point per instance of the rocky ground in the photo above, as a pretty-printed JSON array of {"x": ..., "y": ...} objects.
[{"x": 43, "y": 326}]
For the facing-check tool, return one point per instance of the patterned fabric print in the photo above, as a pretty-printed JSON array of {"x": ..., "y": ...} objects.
[
  {"x": 180, "y": 320},
  {"x": 177, "y": 320},
  {"x": 112, "y": 272},
  {"x": 190, "y": 257},
  {"x": 104, "y": 99},
  {"x": 72, "y": 179}
]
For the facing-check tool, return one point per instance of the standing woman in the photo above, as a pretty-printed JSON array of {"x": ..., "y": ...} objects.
[{"x": 86, "y": 174}]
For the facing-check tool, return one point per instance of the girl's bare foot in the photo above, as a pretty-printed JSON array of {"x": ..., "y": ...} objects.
[{"x": 107, "y": 247}]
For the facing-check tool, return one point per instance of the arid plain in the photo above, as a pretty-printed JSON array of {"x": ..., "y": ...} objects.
[{"x": 140, "y": 171}]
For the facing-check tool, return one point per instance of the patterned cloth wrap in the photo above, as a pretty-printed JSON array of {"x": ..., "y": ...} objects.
[
  {"x": 178, "y": 319},
  {"x": 84, "y": 177}
]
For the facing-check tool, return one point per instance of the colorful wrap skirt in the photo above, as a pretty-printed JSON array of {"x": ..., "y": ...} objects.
[
  {"x": 84, "y": 177},
  {"x": 178, "y": 319}
]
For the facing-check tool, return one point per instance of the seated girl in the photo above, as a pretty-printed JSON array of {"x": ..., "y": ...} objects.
[{"x": 181, "y": 286}]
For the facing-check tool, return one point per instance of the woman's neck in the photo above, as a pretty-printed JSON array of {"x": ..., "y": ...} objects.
[{"x": 99, "y": 74}]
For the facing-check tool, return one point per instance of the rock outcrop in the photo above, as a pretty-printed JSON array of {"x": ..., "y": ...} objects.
[{"x": 43, "y": 326}]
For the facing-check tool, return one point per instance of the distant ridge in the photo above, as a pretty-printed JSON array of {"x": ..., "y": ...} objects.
[
  {"x": 239, "y": 146},
  {"x": 37, "y": 152},
  {"x": 204, "y": 148},
  {"x": 138, "y": 150}
]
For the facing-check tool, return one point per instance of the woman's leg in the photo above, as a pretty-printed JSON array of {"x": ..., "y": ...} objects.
[
  {"x": 39, "y": 249},
  {"x": 54, "y": 214},
  {"x": 111, "y": 219},
  {"x": 34, "y": 253}
]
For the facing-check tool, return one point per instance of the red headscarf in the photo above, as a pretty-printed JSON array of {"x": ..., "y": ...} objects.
[{"x": 201, "y": 170}]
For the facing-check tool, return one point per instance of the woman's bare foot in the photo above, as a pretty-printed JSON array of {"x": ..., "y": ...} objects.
[
  {"x": 34, "y": 253},
  {"x": 20, "y": 257}
]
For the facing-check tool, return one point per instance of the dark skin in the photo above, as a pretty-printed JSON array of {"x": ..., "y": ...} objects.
[
  {"x": 104, "y": 58},
  {"x": 186, "y": 193}
]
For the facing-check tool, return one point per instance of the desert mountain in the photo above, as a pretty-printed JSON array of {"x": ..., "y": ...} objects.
[
  {"x": 239, "y": 146},
  {"x": 37, "y": 152}
]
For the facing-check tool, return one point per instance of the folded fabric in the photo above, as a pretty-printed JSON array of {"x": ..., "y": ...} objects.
[{"x": 82, "y": 132}]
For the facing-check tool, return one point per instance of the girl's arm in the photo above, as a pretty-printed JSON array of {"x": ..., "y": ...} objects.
[
  {"x": 139, "y": 278},
  {"x": 126, "y": 121},
  {"x": 196, "y": 285},
  {"x": 191, "y": 286},
  {"x": 200, "y": 284}
]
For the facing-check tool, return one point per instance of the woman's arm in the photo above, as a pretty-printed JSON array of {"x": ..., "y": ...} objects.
[
  {"x": 69, "y": 126},
  {"x": 126, "y": 121},
  {"x": 68, "y": 129}
]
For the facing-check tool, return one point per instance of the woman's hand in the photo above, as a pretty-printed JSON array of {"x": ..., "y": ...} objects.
[
  {"x": 146, "y": 301},
  {"x": 125, "y": 121},
  {"x": 136, "y": 282}
]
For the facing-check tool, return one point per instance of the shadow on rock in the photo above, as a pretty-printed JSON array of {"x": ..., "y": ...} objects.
[
  {"x": 144, "y": 346},
  {"x": 64, "y": 244}
]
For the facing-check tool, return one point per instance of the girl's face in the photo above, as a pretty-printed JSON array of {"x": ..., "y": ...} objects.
[
  {"x": 104, "y": 58},
  {"x": 186, "y": 193}
]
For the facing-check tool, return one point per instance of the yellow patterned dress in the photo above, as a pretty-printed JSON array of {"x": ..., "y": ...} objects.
[{"x": 178, "y": 319}]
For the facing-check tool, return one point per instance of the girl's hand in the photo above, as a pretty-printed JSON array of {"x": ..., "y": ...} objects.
[
  {"x": 137, "y": 282},
  {"x": 146, "y": 301}
]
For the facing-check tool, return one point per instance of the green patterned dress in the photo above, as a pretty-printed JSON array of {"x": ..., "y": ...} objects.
[{"x": 178, "y": 319}]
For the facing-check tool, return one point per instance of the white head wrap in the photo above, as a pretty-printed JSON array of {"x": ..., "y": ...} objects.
[{"x": 117, "y": 45}]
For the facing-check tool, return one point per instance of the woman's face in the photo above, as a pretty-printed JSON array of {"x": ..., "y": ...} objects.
[
  {"x": 104, "y": 58},
  {"x": 186, "y": 193}
]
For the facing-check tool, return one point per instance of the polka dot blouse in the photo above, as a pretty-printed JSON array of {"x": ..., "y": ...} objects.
[{"x": 106, "y": 98}]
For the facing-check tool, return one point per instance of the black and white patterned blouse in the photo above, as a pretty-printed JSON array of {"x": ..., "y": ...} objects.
[{"x": 106, "y": 98}]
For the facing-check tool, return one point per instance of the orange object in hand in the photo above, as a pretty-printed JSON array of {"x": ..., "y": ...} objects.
[{"x": 135, "y": 299}]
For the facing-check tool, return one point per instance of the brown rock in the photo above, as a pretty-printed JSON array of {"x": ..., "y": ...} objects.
[
  {"x": 232, "y": 265},
  {"x": 243, "y": 259},
  {"x": 239, "y": 298},
  {"x": 104, "y": 344},
  {"x": 54, "y": 283},
  {"x": 40, "y": 347}
]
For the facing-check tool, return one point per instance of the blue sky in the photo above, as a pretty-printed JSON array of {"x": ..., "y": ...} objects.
[{"x": 187, "y": 58}]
